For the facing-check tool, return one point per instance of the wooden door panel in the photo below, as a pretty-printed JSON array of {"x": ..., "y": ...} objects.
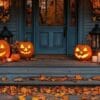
[
  {"x": 58, "y": 39},
  {"x": 51, "y": 40},
  {"x": 44, "y": 39},
  {"x": 50, "y": 27}
]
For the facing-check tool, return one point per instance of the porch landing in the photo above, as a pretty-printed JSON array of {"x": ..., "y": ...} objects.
[
  {"x": 49, "y": 66},
  {"x": 51, "y": 61}
]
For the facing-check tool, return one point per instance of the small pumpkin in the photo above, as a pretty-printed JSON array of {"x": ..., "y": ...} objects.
[
  {"x": 83, "y": 52},
  {"x": 15, "y": 57},
  {"x": 4, "y": 49},
  {"x": 26, "y": 49}
]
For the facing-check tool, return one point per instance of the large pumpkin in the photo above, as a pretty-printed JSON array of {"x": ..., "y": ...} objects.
[
  {"x": 26, "y": 49},
  {"x": 4, "y": 49},
  {"x": 83, "y": 52}
]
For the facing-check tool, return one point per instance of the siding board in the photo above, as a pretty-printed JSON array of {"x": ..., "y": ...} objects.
[
  {"x": 13, "y": 23},
  {"x": 85, "y": 23}
]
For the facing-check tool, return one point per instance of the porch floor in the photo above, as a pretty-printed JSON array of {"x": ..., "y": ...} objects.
[
  {"x": 50, "y": 66},
  {"x": 51, "y": 61}
]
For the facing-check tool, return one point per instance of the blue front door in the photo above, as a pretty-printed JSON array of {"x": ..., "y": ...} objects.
[{"x": 50, "y": 27}]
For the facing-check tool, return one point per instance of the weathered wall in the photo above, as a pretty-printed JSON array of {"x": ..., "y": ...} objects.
[
  {"x": 85, "y": 22},
  {"x": 14, "y": 23}
]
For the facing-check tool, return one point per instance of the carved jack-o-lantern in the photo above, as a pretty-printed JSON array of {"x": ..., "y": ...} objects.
[
  {"x": 83, "y": 52},
  {"x": 4, "y": 49},
  {"x": 26, "y": 49}
]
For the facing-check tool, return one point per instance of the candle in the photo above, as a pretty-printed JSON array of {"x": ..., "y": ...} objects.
[
  {"x": 9, "y": 60},
  {"x": 94, "y": 59},
  {"x": 98, "y": 57}
]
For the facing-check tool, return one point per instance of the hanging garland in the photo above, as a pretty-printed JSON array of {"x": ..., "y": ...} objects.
[{"x": 5, "y": 10}]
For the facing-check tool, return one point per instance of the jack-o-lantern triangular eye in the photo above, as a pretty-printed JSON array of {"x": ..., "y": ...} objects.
[
  {"x": 2, "y": 46},
  {"x": 22, "y": 46},
  {"x": 85, "y": 49},
  {"x": 29, "y": 46},
  {"x": 77, "y": 50}
]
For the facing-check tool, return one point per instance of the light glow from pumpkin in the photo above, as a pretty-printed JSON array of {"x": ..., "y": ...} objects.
[
  {"x": 26, "y": 49},
  {"x": 83, "y": 52},
  {"x": 21, "y": 46},
  {"x": 2, "y": 46},
  {"x": 77, "y": 49},
  {"x": 2, "y": 53},
  {"x": 25, "y": 52},
  {"x": 85, "y": 49},
  {"x": 4, "y": 49},
  {"x": 81, "y": 56}
]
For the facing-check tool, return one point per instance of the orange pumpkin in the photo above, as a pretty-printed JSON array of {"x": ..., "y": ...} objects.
[
  {"x": 83, "y": 52},
  {"x": 26, "y": 49},
  {"x": 4, "y": 49},
  {"x": 15, "y": 57}
]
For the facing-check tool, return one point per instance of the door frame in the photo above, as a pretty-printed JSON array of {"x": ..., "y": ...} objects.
[
  {"x": 35, "y": 26},
  {"x": 67, "y": 28}
]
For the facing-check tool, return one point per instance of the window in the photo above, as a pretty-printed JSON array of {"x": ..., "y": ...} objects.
[
  {"x": 28, "y": 13},
  {"x": 51, "y": 12}
]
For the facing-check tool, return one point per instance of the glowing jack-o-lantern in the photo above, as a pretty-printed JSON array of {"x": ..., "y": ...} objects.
[
  {"x": 26, "y": 49},
  {"x": 4, "y": 49},
  {"x": 83, "y": 52}
]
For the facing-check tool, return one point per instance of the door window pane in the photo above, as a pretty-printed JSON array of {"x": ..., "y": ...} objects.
[
  {"x": 28, "y": 13},
  {"x": 51, "y": 12}
]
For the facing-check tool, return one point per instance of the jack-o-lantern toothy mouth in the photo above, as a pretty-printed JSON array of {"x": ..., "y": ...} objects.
[
  {"x": 81, "y": 56},
  {"x": 25, "y": 52},
  {"x": 2, "y": 53},
  {"x": 85, "y": 55}
]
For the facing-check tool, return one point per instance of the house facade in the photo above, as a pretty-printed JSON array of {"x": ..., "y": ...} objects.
[{"x": 53, "y": 28}]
